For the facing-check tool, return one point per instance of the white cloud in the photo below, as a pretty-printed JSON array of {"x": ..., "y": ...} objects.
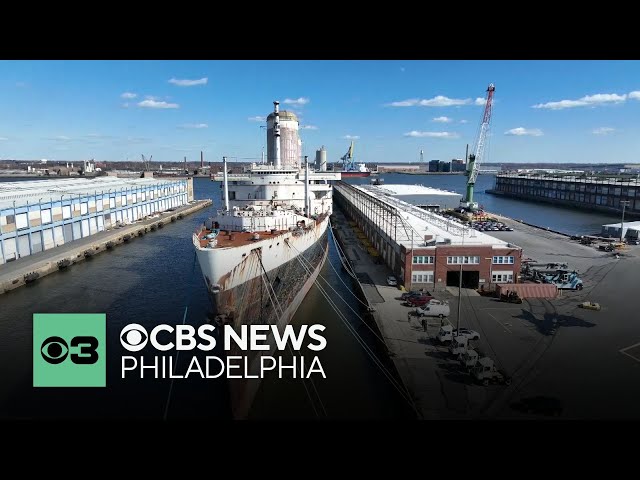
[
  {"x": 442, "y": 120},
  {"x": 480, "y": 101},
  {"x": 437, "y": 101},
  {"x": 351, "y": 137},
  {"x": 603, "y": 130},
  {"x": 64, "y": 138},
  {"x": 2, "y": 139},
  {"x": 189, "y": 83},
  {"x": 464, "y": 121},
  {"x": 415, "y": 133},
  {"x": 151, "y": 103},
  {"x": 521, "y": 131},
  {"x": 308, "y": 127},
  {"x": 634, "y": 95},
  {"x": 128, "y": 95},
  {"x": 296, "y": 101},
  {"x": 194, "y": 125},
  {"x": 257, "y": 118},
  {"x": 586, "y": 101}
]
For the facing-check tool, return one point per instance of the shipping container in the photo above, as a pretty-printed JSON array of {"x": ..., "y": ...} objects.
[{"x": 528, "y": 290}]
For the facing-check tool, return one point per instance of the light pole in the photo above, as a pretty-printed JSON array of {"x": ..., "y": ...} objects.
[
  {"x": 625, "y": 204},
  {"x": 460, "y": 289}
]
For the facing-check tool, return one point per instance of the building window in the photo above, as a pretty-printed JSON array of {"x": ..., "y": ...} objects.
[
  {"x": 501, "y": 259},
  {"x": 423, "y": 277},
  {"x": 505, "y": 277},
  {"x": 475, "y": 260},
  {"x": 418, "y": 259}
]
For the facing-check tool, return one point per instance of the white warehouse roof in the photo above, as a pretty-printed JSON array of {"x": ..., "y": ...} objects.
[
  {"x": 631, "y": 225},
  {"x": 399, "y": 189},
  {"x": 34, "y": 191},
  {"x": 423, "y": 223}
]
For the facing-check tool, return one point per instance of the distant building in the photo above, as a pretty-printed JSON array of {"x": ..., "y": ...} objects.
[
  {"x": 434, "y": 165},
  {"x": 457, "y": 165},
  {"x": 444, "y": 167}
]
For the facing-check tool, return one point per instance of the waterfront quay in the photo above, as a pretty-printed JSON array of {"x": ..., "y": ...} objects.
[
  {"x": 563, "y": 361},
  {"x": 590, "y": 192},
  {"x": 28, "y": 269}
]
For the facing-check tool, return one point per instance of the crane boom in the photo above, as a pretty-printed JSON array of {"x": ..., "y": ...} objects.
[{"x": 474, "y": 160}]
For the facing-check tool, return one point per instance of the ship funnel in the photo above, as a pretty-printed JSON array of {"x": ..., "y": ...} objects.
[{"x": 276, "y": 132}]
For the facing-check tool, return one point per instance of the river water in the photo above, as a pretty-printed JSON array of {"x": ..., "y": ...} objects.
[{"x": 154, "y": 279}]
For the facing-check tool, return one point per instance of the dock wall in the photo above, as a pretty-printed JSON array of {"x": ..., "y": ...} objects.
[{"x": 24, "y": 270}]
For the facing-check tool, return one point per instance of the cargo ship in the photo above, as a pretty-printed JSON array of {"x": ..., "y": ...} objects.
[
  {"x": 262, "y": 251},
  {"x": 359, "y": 170}
]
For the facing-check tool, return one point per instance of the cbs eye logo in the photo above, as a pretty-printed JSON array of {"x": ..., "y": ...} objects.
[
  {"x": 69, "y": 350},
  {"x": 134, "y": 337},
  {"x": 55, "y": 350}
]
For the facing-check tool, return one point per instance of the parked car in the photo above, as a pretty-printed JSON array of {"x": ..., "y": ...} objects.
[
  {"x": 414, "y": 293},
  {"x": 467, "y": 332},
  {"x": 391, "y": 281},
  {"x": 419, "y": 301}
]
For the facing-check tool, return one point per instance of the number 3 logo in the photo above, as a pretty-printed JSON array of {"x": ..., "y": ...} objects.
[{"x": 54, "y": 350}]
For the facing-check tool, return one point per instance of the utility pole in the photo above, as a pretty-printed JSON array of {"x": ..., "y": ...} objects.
[
  {"x": 460, "y": 290},
  {"x": 625, "y": 204}
]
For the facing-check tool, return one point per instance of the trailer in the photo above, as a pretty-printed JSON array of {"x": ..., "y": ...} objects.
[{"x": 527, "y": 290}]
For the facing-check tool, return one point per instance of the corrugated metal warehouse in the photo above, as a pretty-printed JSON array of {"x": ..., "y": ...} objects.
[
  {"x": 420, "y": 196},
  {"x": 424, "y": 249},
  {"x": 43, "y": 214}
]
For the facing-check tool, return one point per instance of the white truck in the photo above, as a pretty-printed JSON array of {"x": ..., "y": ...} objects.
[
  {"x": 469, "y": 358},
  {"x": 486, "y": 372},
  {"x": 459, "y": 345},
  {"x": 435, "y": 308}
]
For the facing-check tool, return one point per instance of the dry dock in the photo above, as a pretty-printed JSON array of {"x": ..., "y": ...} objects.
[
  {"x": 17, "y": 273},
  {"x": 583, "y": 363}
]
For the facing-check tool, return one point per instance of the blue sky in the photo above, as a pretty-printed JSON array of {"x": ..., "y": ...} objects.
[{"x": 544, "y": 111}]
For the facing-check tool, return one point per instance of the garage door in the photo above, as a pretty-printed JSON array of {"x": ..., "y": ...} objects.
[
  {"x": 58, "y": 237},
  {"x": 10, "y": 252},
  {"x": 23, "y": 245},
  {"x": 47, "y": 237}
]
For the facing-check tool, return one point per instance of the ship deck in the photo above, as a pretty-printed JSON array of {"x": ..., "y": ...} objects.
[{"x": 228, "y": 238}]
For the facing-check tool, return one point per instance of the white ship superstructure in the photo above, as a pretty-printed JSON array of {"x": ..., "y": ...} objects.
[{"x": 262, "y": 251}]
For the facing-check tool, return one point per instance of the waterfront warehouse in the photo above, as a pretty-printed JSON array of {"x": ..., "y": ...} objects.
[
  {"x": 43, "y": 214},
  {"x": 424, "y": 249},
  {"x": 589, "y": 192}
]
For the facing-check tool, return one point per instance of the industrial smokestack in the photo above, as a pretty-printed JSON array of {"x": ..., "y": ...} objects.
[
  {"x": 201, "y": 159},
  {"x": 276, "y": 132}
]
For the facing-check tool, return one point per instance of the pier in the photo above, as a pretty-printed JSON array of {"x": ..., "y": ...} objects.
[
  {"x": 605, "y": 194},
  {"x": 27, "y": 269},
  {"x": 584, "y": 361}
]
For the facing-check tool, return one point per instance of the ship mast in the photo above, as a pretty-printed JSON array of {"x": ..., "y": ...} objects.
[{"x": 226, "y": 184}]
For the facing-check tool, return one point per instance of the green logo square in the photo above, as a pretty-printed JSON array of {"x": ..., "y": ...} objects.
[{"x": 69, "y": 350}]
